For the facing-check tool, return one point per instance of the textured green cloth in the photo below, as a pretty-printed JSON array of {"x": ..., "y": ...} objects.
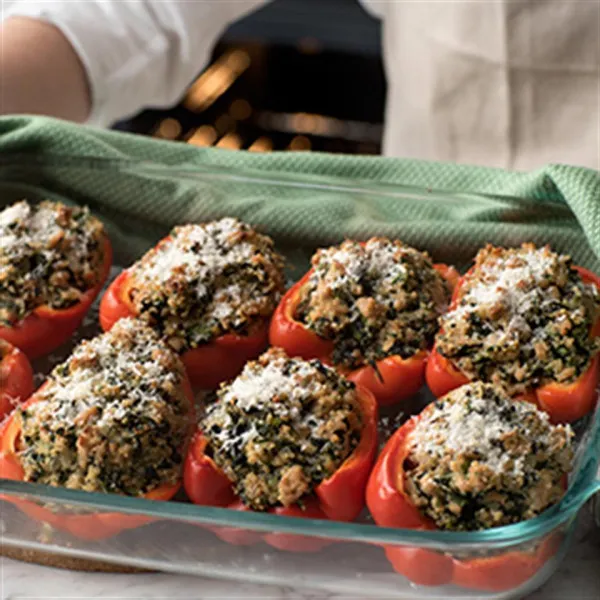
[{"x": 141, "y": 187}]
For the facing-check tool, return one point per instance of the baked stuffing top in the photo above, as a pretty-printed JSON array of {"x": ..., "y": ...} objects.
[
  {"x": 374, "y": 300},
  {"x": 281, "y": 428},
  {"x": 207, "y": 280},
  {"x": 113, "y": 418},
  {"x": 478, "y": 459},
  {"x": 50, "y": 255},
  {"x": 523, "y": 318}
]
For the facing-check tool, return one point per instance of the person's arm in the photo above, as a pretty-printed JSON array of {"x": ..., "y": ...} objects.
[
  {"x": 103, "y": 60},
  {"x": 30, "y": 81}
]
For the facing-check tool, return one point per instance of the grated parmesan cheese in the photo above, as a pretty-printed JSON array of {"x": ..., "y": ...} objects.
[
  {"x": 476, "y": 428},
  {"x": 281, "y": 427},
  {"x": 50, "y": 254},
  {"x": 121, "y": 359},
  {"x": 478, "y": 459},
  {"x": 259, "y": 387},
  {"x": 523, "y": 317},
  {"x": 200, "y": 251},
  {"x": 14, "y": 214},
  {"x": 373, "y": 300},
  {"x": 513, "y": 281},
  {"x": 207, "y": 280},
  {"x": 21, "y": 227},
  {"x": 116, "y": 394},
  {"x": 379, "y": 259}
]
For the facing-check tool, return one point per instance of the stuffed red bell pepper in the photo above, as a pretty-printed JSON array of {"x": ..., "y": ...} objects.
[
  {"x": 116, "y": 417},
  {"x": 473, "y": 460},
  {"x": 289, "y": 437},
  {"x": 16, "y": 378},
  {"x": 54, "y": 261},
  {"x": 529, "y": 320},
  {"x": 209, "y": 290},
  {"x": 371, "y": 310}
]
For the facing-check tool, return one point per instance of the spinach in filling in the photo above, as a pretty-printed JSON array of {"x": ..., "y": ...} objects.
[
  {"x": 206, "y": 281},
  {"x": 373, "y": 300},
  {"x": 50, "y": 255},
  {"x": 523, "y": 318},
  {"x": 281, "y": 428},
  {"x": 112, "y": 418},
  {"x": 478, "y": 459}
]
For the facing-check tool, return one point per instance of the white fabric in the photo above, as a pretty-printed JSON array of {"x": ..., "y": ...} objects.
[
  {"x": 137, "y": 53},
  {"x": 507, "y": 83}
]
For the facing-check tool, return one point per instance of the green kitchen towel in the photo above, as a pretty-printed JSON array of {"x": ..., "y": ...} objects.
[{"x": 141, "y": 187}]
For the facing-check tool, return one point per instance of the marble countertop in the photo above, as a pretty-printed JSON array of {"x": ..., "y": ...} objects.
[{"x": 577, "y": 579}]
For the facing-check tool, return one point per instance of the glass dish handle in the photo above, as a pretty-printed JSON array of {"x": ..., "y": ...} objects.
[{"x": 596, "y": 499}]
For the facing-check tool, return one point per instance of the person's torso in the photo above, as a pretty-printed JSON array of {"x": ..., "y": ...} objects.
[{"x": 509, "y": 83}]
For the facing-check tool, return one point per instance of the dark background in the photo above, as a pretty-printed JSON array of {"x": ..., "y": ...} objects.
[{"x": 297, "y": 74}]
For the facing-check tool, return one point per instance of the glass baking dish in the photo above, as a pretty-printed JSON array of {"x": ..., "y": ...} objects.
[{"x": 339, "y": 557}]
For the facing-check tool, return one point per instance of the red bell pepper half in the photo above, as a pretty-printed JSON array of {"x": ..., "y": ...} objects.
[
  {"x": 394, "y": 379},
  {"x": 391, "y": 507},
  {"x": 564, "y": 402},
  {"x": 207, "y": 365},
  {"x": 16, "y": 378},
  {"x": 339, "y": 498},
  {"x": 90, "y": 527},
  {"x": 46, "y": 328}
]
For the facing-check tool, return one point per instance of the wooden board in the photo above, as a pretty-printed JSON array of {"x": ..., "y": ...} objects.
[{"x": 48, "y": 559}]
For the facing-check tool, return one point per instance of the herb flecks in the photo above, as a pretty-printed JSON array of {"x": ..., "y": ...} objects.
[
  {"x": 477, "y": 459},
  {"x": 523, "y": 319},
  {"x": 373, "y": 300},
  {"x": 50, "y": 255},
  {"x": 207, "y": 280},
  {"x": 282, "y": 427},
  {"x": 112, "y": 418}
]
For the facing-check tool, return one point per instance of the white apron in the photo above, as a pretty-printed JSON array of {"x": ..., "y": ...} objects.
[{"x": 509, "y": 83}]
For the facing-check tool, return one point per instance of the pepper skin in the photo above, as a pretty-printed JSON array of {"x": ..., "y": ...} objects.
[{"x": 340, "y": 497}]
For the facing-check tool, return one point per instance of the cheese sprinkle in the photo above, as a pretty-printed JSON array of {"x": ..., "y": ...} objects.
[
  {"x": 207, "y": 280},
  {"x": 478, "y": 459},
  {"x": 523, "y": 319},
  {"x": 113, "y": 418}
]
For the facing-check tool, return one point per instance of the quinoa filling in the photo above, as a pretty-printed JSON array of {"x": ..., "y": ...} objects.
[
  {"x": 113, "y": 418},
  {"x": 478, "y": 459},
  {"x": 281, "y": 428},
  {"x": 373, "y": 300},
  {"x": 207, "y": 280},
  {"x": 523, "y": 318},
  {"x": 50, "y": 255}
]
